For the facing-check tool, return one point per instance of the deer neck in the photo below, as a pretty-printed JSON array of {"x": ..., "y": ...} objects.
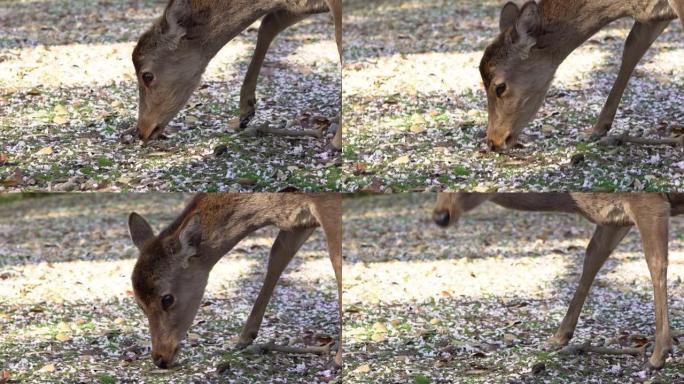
[
  {"x": 225, "y": 222},
  {"x": 568, "y": 24},
  {"x": 230, "y": 20},
  {"x": 540, "y": 202}
]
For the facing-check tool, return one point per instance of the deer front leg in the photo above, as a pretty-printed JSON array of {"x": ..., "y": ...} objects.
[
  {"x": 678, "y": 6},
  {"x": 336, "y": 142},
  {"x": 652, "y": 220},
  {"x": 284, "y": 248},
  {"x": 336, "y": 11},
  {"x": 602, "y": 244},
  {"x": 640, "y": 38},
  {"x": 331, "y": 222},
  {"x": 271, "y": 26}
]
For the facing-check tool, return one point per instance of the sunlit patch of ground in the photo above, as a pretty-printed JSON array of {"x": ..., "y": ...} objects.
[
  {"x": 415, "y": 109},
  {"x": 67, "y": 313},
  {"x": 473, "y": 304},
  {"x": 69, "y": 90}
]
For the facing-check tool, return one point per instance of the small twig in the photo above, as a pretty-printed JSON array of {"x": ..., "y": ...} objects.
[
  {"x": 587, "y": 348},
  {"x": 622, "y": 139},
  {"x": 273, "y": 347},
  {"x": 266, "y": 129}
]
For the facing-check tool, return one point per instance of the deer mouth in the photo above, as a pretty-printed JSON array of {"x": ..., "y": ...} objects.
[
  {"x": 442, "y": 218},
  {"x": 165, "y": 362},
  {"x": 157, "y": 133}
]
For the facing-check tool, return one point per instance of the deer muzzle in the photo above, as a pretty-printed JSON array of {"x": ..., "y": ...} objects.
[
  {"x": 442, "y": 218},
  {"x": 164, "y": 358},
  {"x": 501, "y": 142}
]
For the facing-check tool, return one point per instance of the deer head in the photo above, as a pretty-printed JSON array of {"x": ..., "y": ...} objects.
[
  {"x": 516, "y": 74},
  {"x": 450, "y": 206},
  {"x": 169, "y": 62},
  {"x": 168, "y": 281}
]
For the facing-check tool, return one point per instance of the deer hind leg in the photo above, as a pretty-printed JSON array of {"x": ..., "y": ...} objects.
[
  {"x": 639, "y": 40},
  {"x": 283, "y": 250},
  {"x": 331, "y": 222},
  {"x": 602, "y": 244},
  {"x": 652, "y": 220},
  {"x": 271, "y": 26}
]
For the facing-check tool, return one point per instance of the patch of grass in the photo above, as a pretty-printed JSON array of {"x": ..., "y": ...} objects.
[
  {"x": 105, "y": 378},
  {"x": 104, "y": 161}
]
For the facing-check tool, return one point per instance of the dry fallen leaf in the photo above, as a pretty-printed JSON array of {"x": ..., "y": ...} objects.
[
  {"x": 45, "y": 151},
  {"x": 402, "y": 160},
  {"x": 364, "y": 368},
  {"x": 378, "y": 337},
  {"x": 47, "y": 368}
]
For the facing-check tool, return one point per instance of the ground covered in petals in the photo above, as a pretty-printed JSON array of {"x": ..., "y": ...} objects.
[
  {"x": 68, "y": 90},
  {"x": 474, "y": 304},
  {"x": 67, "y": 313},
  {"x": 415, "y": 109}
]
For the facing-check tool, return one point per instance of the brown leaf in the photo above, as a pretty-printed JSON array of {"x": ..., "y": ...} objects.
[{"x": 45, "y": 151}]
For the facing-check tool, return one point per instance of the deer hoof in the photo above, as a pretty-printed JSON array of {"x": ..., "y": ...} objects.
[
  {"x": 246, "y": 118},
  {"x": 333, "y": 365},
  {"x": 654, "y": 366},
  {"x": 598, "y": 131},
  {"x": 242, "y": 345},
  {"x": 594, "y": 137},
  {"x": 555, "y": 343}
]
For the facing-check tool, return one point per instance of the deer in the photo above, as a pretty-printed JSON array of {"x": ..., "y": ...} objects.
[
  {"x": 172, "y": 269},
  {"x": 171, "y": 56},
  {"x": 517, "y": 68},
  {"x": 614, "y": 216}
]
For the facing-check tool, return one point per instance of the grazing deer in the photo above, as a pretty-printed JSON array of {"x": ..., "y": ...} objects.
[
  {"x": 614, "y": 215},
  {"x": 172, "y": 55},
  {"x": 171, "y": 272},
  {"x": 518, "y": 66}
]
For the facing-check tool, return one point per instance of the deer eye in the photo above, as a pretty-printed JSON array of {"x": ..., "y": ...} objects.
[
  {"x": 147, "y": 77},
  {"x": 167, "y": 301},
  {"x": 500, "y": 89}
]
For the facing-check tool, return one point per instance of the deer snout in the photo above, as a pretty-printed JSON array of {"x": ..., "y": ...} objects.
[
  {"x": 442, "y": 218},
  {"x": 164, "y": 360},
  {"x": 160, "y": 361},
  {"x": 499, "y": 143},
  {"x": 147, "y": 135}
]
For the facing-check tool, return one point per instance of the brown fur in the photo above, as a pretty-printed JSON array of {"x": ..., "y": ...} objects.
[
  {"x": 614, "y": 214},
  {"x": 535, "y": 39},
  {"x": 177, "y": 262},
  {"x": 180, "y": 44}
]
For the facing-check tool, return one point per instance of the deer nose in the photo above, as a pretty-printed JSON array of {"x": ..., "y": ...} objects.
[
  {"x": 508, "y": 142},
  {"x": 442, "y": 218},
  {"x": 160, "y": 362}
]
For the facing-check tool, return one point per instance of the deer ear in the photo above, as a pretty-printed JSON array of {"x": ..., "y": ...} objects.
[
  {"x": 527, "y": 28},
  {"x": 184, "y": 22},
  {"x": 528, "y": 23},
  {"x": 509, "y": 15},
  {"x": 175, "y": 15},
  {"x": 191, "y": 236},
  {"x": 139, "y": 229}
]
